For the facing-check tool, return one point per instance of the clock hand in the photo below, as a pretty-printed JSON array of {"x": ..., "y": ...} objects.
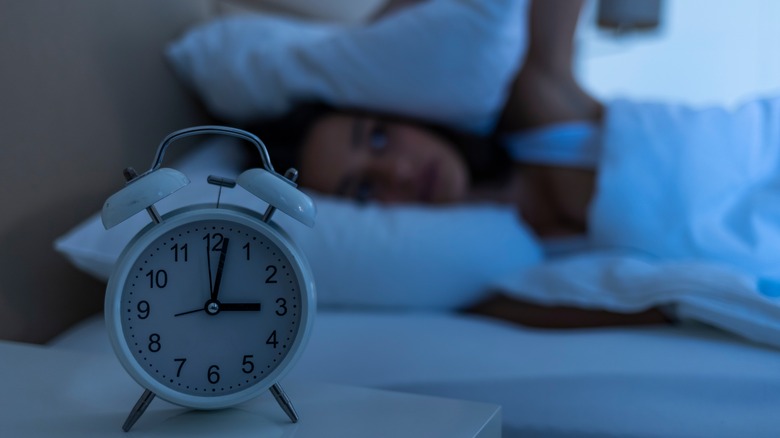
[
  {"x": 220, "y": 266},
  {"x": 232, "y": 307},
  {"x": 214, "y": 307},
  {"x": 190, "y": 311},
  {"x": 208, "y": 265}
]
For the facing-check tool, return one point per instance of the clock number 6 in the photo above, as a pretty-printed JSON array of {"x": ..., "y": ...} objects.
[{"x": 213, "y": 375}]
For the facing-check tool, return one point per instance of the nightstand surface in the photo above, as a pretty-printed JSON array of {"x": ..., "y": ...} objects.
[{"x": 54, "y": 392}]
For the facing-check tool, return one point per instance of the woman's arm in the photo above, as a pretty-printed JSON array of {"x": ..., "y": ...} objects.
[
  {"x": 392, "y": 6},
  {"x": 545, "y": 90},
  {"x": 533, "y": 315}
]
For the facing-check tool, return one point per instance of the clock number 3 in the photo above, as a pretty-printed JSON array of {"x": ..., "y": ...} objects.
[{"x": 282, "y": 310}]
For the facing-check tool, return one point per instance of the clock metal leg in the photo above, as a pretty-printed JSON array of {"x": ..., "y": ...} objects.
[
  {"x": 138, "y": 409},
  {"x": 284, "y": 402}
]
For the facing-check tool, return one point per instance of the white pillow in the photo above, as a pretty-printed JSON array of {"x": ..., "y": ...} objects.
[
  {"x": 368, "y": 256},
  {"x": 341, "y": 11},
  {"x": 447, "y": 61}
]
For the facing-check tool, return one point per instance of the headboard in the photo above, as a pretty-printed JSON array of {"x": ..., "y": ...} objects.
[{"x": 85, "y": 92}]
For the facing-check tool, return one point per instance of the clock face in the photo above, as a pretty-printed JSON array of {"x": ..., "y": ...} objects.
[{"x": 210, "y": 307}]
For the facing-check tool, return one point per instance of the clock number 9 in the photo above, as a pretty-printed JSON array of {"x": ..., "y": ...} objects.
[{"x": 143, "y": 309}]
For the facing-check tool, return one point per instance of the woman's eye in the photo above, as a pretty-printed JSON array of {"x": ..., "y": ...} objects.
[{"x": 377, "y": 137}]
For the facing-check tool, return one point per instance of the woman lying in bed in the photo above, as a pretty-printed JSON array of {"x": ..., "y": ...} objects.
[{"x": 368, "y": 156}]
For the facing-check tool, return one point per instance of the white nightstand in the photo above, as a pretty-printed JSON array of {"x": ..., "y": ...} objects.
[{"x": 53, "y": 392}]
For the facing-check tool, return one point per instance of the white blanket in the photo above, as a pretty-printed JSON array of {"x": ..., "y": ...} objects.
[
  {"x": 688, "y": 201},
  {"x": 694, "y": 290},
  {"x": 685, "y": 183}
]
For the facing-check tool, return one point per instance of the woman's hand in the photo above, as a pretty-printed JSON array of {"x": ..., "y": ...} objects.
[{"x": 545, "y": 90}]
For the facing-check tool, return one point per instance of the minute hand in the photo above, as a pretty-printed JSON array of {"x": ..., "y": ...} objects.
[{"x": 220, "y": 266}]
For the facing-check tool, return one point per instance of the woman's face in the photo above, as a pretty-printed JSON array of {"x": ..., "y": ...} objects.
[{"x": 367, "y": 158}]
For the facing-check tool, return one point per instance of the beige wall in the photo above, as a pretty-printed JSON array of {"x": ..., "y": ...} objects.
[{"x": 85, "y": 92}]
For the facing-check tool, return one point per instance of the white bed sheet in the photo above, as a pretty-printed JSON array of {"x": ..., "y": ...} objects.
[{"x": 686, "y": 381}]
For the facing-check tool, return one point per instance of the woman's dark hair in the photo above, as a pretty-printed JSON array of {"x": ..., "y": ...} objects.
[
  {"x": 284, "y": 136},
  {"x": 487, "y": 161}
]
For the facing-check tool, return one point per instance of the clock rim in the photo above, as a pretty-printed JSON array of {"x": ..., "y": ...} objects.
[{"x": 171, "y": 220}]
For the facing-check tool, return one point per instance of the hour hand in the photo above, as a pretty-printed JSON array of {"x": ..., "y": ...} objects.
[
  {"x": 238, "y": 307},
  {"x": 214, "y": 307}
]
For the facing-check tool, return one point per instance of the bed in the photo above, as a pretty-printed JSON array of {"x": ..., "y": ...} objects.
[
  {"x": 89, "y": 93},
  {"x": 690, "y": 381}
]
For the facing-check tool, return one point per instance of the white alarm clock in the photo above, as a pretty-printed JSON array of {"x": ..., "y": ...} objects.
[{"x": 208, "y": 306}]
